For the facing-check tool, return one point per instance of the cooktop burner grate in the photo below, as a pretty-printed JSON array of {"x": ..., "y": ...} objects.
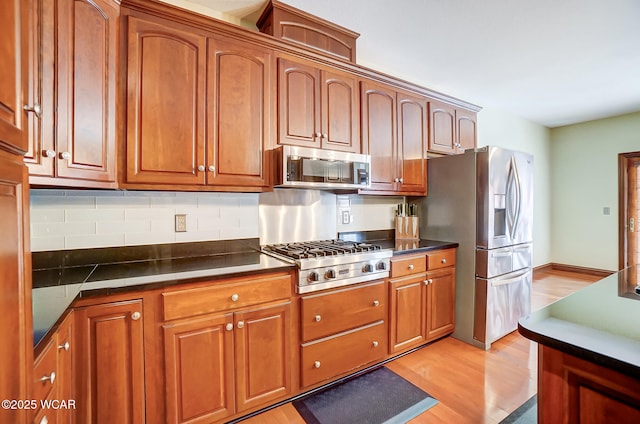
[{"x": 316, "y": 249}]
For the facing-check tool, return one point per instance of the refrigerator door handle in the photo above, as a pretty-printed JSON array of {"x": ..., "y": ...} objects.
[
  {"x": 513, "y": 197},
  {"x": 498, "y": 282}
]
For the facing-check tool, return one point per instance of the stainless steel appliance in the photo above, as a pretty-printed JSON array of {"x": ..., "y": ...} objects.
[
  {"x": 303, "y": 167},
  {"x": 483, "y": 199},
  {"x": 328, "y": 264}
]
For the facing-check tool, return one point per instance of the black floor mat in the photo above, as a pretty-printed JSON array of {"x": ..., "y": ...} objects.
[{"x": 380, "y": 396}]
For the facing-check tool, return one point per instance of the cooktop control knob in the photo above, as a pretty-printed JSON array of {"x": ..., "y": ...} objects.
[
  {"x": 330, "y": 274},
  {"x": 313, "y": 276},
  {"x": 367, "y": 268},
  {"x": 381, "y": 266}
]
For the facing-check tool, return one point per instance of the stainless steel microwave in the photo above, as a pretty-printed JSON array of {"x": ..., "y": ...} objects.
[{"x": 304, "y": 167}]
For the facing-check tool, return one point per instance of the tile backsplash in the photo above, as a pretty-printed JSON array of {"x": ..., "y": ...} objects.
[{"x": 75, "y": 219}]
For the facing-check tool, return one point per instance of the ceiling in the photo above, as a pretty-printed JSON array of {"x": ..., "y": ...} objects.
[{"x": 551, "y": 62}]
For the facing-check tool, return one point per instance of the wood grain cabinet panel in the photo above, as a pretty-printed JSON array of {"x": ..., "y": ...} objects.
[
  {"x": 199, "y": 368},
  {"x": 440, "y": 302},
  {"x": 165, "y": 104},
  {"x": 452, "y": 130},
  {"x": 15, "y": 285},
  {"x": 395, "y": 134},
  {"x": 317, "y": 106},
  {"x": 407, "y": 320},
  {"x": 238, "y": 113},
  {"x": 110, "y": 363},
  {"x": 74, "y": 83},
  {"x": 14, "y": 45}
]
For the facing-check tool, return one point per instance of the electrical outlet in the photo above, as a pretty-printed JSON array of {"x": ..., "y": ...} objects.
[
  {"x": 181, "y": 223},
  {"x": 346, "y": 217}
]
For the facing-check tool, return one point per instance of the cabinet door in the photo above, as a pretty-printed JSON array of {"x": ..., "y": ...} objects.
[
  {"x": 66, "y": 348},
  {"x": 263, "y": 355},
  {"x": 199, "y": 369},
  {"x": 298, "y": 104},
  {"x": 166, "y": 69},
  {"x": 466, "y": 130},
  {"x": 379, "y": 133},
  {"x": 86, "y": 89},
  {"x": 407, "y": 312},
  {"x": 413, "y": 135},
  {"x": 41, "y": 154},
  {"x": 340, "y": 112},
  {"x": 110, "y": 367},
  {"x": 238, "y": 113},
  {"x": 442, "y": 134},
  {"x": 14, "y": 27},
  {"x": 441, "y": 302},
  {"x": 16, "y": 356}
]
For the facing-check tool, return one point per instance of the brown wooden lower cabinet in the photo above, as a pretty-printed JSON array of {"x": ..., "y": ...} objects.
[
  {"x": 407, "y": 318},
  {"x": 573, "y": 390},
  {"x": 110, "y": 363},
  {"x": 440, "y": 303}
]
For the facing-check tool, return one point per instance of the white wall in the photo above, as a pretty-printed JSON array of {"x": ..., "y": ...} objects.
[
  {"x": 585, "y": 180},
  {"x": 502, "y": 129},
  {"x": 76, "y": 219}
]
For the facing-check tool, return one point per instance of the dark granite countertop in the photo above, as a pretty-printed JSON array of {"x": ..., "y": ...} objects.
[
  {"x": 59, "y": 277},
  {"x": 386, "y": 240},
  {"x": 598, "y": 323}
]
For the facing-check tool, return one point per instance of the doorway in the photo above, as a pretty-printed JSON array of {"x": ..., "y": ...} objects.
[{"x": 629, "y": 210}]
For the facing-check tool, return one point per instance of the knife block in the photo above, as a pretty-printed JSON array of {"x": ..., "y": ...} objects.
[{"x": 407, "y": 228}]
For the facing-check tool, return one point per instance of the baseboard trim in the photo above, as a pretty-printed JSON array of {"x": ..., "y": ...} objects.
[{"x": 572, "y": 268}]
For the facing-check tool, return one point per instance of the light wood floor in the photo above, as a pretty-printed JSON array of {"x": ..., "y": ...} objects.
[{"x": 472, "y": 385}]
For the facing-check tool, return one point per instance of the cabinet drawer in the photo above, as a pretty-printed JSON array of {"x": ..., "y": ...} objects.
[
  {"x": 337, "y": 311},
  {"x": 333, "y": 356},
  {"x": 221, "y": 297},
  {"x": 408, "y": 265},
  {"x": 46, "y": 370},
  {"x": 441, "y": 259}
]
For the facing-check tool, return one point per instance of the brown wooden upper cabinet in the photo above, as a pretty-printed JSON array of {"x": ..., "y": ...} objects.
[
  {"x": 394, "y": 133},
  {"x": 318, "y": 107},
  {"x": 72, "y": 93},
  {"x": 453, "y": 130},
  {"x": 198, "y": 108}
]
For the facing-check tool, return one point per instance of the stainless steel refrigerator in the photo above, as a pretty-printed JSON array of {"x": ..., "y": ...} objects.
[{"x": 483, "y": 199}]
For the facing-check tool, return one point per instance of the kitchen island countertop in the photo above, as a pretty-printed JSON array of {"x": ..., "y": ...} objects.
[{"x": 598, "y": 323}]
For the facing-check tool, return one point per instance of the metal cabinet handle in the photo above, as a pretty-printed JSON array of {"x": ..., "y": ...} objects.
[
  {"x": 212, "y": 168},
  {"x": 395, "y": 180},
  {"x": 228, "y": 327},
  {"x": 201, "y": 168},
  {"x": 316, "y": 364},
  {"x": 36, "y": 109},
  {"x": 235, "y": 297},
  {"x": 410, "y": 266},
  {"x": 240, "y": 324},
  {"x": 375, "y": 343},
  {"x": 325, "y": 136},
  {"x": 136, "y": 316},
  {"x": 49, "y": 153},
  {"x": 376, "y": 303},
  {"x": 401, "y": 180},
  {"x": 44, "y": 420},
  {"x": 318, "y": 318},
  {"x": 51, "y": 377},
  {"x": 64, "y": 346},
  {"x": 427, "y": 282},
  {"x": 318, "y": 135},
  {"x": 444, "y": 261},
  {"x": 65, "y": 155}
]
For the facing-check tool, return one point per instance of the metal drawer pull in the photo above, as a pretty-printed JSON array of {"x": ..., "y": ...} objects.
[
  {"x": 64, "y": 346},
  {"x": 201, "y": 168},
  {"x": 51, "y": 377},
  {"x": 44, "y": 420},
  {"x": 235, "y": 297},
  {"x": 375, "y": 343},
  {"x": 316, "y": 364},
  {"x": 212, "y": 168},
  {"x": 240, "y": 324},
  {"x": 376, "y": 303},
  {"x": 50, "y": 153},
  {"x": 229, "y": 326},
  {"x": 444, "y": 261},
  {"x": 65, "y": 155},
  {"x": 136, "y": 316},
  {"x": 318, "y": 318},
  {"x": 36, "y": 109},
  {"x": 410, "y": 266}
]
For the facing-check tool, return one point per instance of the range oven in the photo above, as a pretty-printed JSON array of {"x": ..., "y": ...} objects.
[{"x": 328, "y": 264}]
